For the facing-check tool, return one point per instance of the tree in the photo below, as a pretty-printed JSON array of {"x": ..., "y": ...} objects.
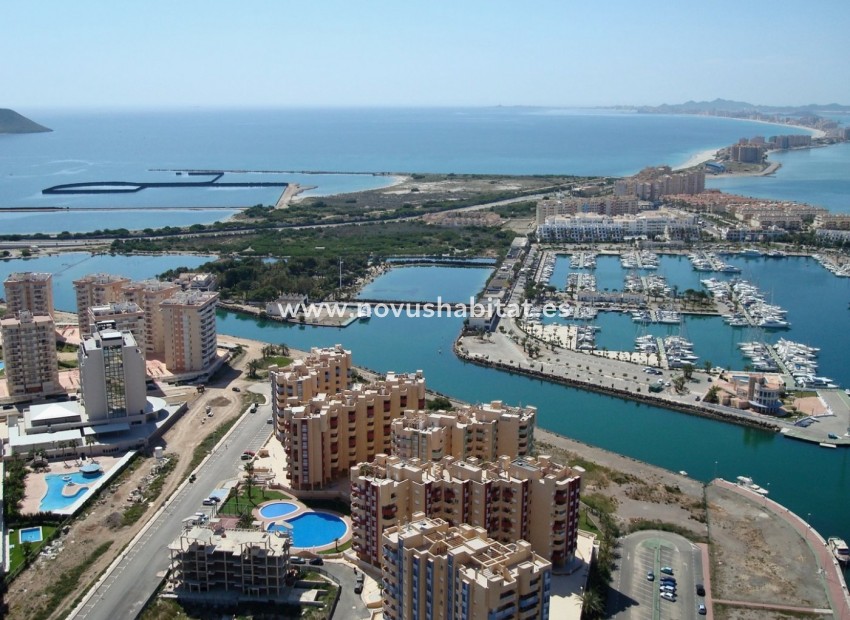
[
  {"x": 592, "y": 604},
  {"x": 253, "y": 366},
  {"x": 679, "y": 383},
  {"x": 245, "y": 519},
  {"x": 249, "y": 477},
  {"x": 27, "y": 549},
  {"x": 284, "y": 349},
  {"x": 688, "y": 371}
]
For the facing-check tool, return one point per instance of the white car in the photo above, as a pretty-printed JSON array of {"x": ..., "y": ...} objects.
[{"x": 669, "y": 596}]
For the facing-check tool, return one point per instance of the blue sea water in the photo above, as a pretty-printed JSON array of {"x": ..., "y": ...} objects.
[
  {"x": 149, "y": 146},
  {"x": 817, "y": 176}
]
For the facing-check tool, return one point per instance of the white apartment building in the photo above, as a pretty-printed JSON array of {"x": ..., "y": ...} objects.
[{"x": 112, "y": 376}]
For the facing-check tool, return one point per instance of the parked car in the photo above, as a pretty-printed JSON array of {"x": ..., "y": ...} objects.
[
  {"x": 668, "y": 596},
  {"x": 700, "y": 590},
  {"x": 316, "y": 561},
  {"x": 666, "y": 587},
  {"x": 650, "y": 576},
  {"x": 297, "y": 560},
  {"x": 254, "y": 408},
  {"x": 208, "y": 502},
  {"x": 235, "y": 389},
  {"x": 701, "y": 609},
  {"x": 666, "y": 570},
  {"x": 246, "y": 457},
  {"x": 670, "y": 580},
  {"x": 215, "y": 499}
]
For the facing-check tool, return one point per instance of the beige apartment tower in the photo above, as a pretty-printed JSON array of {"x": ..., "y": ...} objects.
[
  {"x": 433, "y": 570},
  {"x": 323, "y": 371},
  {"x": 512, "y": 499},
  {"x": 190, "y": 331},
  {"x": 148, "y": 295},
  {"x": 29, "y": 291},
  {"x": 123, "y": 316},
  {"x": 29, "y": 353},
  {"x": 97, "y": 289},
  {"x": 329, "y": 434}
]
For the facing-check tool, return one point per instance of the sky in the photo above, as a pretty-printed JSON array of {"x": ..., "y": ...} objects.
[{"x": 277, "y": 53}]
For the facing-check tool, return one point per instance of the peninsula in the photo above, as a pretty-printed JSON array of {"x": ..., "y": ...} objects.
[{"x": 12, "y": 122}]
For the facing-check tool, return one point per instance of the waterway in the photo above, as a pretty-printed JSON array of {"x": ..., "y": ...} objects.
[{"x": 426, "y": 283}]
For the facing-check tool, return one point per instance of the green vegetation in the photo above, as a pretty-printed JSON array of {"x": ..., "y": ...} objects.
[
  {"x": 14, "y": 489},
  {"x": 67, "y": 364},
  {"x": 67, "y": 583},
  {"x": 517, "y": 209},
  {"x": 439, "y": 403},
  {"x": 23, "y": 553},
  {"x": 639, "y": 525},
  {"x": 151, "y": 493},
  {"x": 204, "y": 448},
  {"x": 246, "y": 499},
  {"x": 599, "y": 503},
  {"x": 333, "y": 505}
]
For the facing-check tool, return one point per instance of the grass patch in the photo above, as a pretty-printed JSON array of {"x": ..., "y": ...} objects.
[
  {"x": 586, "y": 524},
  {"x": 204, "y": 448},
  {"x": 66, "y": 583},
  {"x": 16, "y": 552},
  {"x": 68, "y": 364},
  {"x": 339, "y": 548},
  {"x": 639, "y": 525},
  {"x": 599, "y": 503},
  {"x": 165, "y": 609},
  {"x": 275, "y": 360},
  {"x": 243, "y": 500}
]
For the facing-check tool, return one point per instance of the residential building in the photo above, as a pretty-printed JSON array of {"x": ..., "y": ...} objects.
[
  {"x": 323, "y": 371},
  {"x": 330, "y": 433},
  {"x": 29, "y": 355},
  {"x": 607, "y": 205},
  {"x": 247, "y": 565},
  {"x": 663, "y": 223},
  {"x": 832, "y": 221},
  {"x": 96, "y": 289},
  {"x": 653, "y": 183},
  {"x": 190, "y": 331},
  {"x": 123, "y": 316},
  {"x": 30, "y": 291},
  {"x": 112, "y": 375},
  {"x": 536, "y": 500},
  {"x": 196, "y": 281},
  {"x": 434, "y": 570},
  {"x": 485, "y": 432},
  {"x": 148, "y": 295}
]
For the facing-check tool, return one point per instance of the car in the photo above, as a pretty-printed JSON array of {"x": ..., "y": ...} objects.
[
  {"x": 701, "y": 609},
  {"x": 208, "y": 502},
  {"x": 192, "y": 478},
  {"x": 270, "y": 421},
  {"x": 667, "y": 587},
  {"x": 254, "y": 408},
  {"x": 700, "y": 590},
  {"x": 710, "y": 379},
  {"x": 235, "y": 389},
  {"x": 666, "y": 570},
  {"x": 358, "y": 588},
  {"x": 246, "y": 457},
  {"x": 669, "y": 596},
  {"x": 668, "y": 580},
  {"x": 316, "y": 561},
  {"x": 215, "y": 499},
  {"x": 297, "y": 560},
  {"x": 650, "y": 576}
]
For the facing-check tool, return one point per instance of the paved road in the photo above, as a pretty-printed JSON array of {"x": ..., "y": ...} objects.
[
  {"x": 633, "y": 597},
  {"x": 131, "y": 581}
]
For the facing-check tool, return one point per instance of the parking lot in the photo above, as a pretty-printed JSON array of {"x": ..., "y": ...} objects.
[{"x": 637, "y": 597}]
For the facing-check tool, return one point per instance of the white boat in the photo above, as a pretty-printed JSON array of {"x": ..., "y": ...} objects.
[
  {"x": 364, "y": 313},
  {"x": 839, "y": 549}
]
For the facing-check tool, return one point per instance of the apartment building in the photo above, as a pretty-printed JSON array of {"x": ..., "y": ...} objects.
[
  {"x": 485, "y": 432},
  {"x": 434, "y": 570},
  {"x": 832, "y": 221},
  {"x": 123, "y": 316},
  {"x": 97, "y": 289},
  {"x": 607, "y": 205},
  {"x": 148, "y": 295},
  {"x": 580, "y": 228},
  {"x": 29, "y": 355},
  {"x": 249, "y": 565},
  {"x": 653, "y": 183},
  {"x": 529, "y": 499},
  {"x": 112, "y": 375},
  {"x": 330, "y": 433},
  {"x": 190, "y": 331},
  {"x": 30, "y": 291},
  {"x": 323, "y": 371}
]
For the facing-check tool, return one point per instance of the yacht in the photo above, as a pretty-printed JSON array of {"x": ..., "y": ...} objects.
[
  {"x": 839, "y": 549},
  {"x": 364, "y": 313}
]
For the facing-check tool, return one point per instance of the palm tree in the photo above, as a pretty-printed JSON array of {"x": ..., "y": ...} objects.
[
  {"x": 592, "y": 605},
  {"x": 253, "y": 365},
  {"x": 90, "y": 440},
  {"x": 249, "y": 477}
]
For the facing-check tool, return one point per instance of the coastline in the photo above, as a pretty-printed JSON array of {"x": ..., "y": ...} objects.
[{"x": 698, "y": 158}]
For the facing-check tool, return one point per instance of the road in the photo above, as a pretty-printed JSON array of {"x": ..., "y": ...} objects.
[
  {"x": 634, "y": 597},
  {"x": 137, "y": 573}
]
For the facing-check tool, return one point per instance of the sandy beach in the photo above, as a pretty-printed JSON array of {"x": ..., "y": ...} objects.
[{"x": 698, "y": 158}]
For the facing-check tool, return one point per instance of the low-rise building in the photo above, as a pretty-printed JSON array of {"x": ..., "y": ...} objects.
[
  {"x": 241, "y": 564},
  {"x": 434, "y": 570},
  {"x": 512, "y": 499}
]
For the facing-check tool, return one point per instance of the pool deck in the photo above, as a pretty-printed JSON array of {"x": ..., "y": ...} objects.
[{"x": 302, "y": 510}]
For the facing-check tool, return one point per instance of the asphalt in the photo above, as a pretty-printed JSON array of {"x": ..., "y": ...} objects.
[
  {"x": 132, "y": 579},
  {"x": 633, "y": 597}
]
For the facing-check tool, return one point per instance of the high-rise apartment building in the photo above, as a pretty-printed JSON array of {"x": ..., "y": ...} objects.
[
  {"x": 323, "y": 371},
  {"x": 485, "y": 432},
  {"x": 148, "y": 295},
  {"x": 190, "y": 331},
  {"x": 433, "y": 570},
  {"x": 112, "y": 375},
  {"x": 529, "y": 499},
  {"x": 332, "y": 432},
  {"x": 96, "y": 289},
  {"x": 29, "y": 354},
  {"x": 241, "y": 563},
  {"x": 122, "y": 316},
  {"x": 30, "y": 291}
]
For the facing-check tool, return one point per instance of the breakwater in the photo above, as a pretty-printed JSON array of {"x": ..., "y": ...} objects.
[
  {"x": 714, "y": 414},
  {"x": 131, "y": 187}
]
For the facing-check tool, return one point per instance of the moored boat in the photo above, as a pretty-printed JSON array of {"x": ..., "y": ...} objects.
[{"x": 839, "y": 549}]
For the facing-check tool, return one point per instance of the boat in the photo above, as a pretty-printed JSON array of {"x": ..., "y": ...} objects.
[
  {"x": 364, "y": 313},
  {"x": 839, "y": 549}
]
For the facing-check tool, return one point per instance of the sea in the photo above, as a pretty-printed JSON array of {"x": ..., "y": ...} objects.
[
  {"x": 282, "y": 145},
  {"x": 137, "y": 146}
]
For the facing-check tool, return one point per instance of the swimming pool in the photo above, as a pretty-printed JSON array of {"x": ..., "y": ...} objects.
[
  {"x": 30, "y": 535},
  {"x": 314, "y": 529},
  {"x": 277, "y": 509},
  {"x": 55, "y": 500}
]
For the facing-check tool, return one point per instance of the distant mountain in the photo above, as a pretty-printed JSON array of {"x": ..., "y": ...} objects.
[
  {"x": 12, "y": 122},
  {"x": 733, "y": 107}
]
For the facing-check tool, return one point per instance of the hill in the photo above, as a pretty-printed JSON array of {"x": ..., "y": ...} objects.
[
  {"x": 726, "y": 106},
  {"x": 12, "y": 122}
]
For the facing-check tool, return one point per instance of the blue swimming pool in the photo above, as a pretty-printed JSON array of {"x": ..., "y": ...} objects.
[
  {"x": 314, "y": 529},
  {"x": 54, "y": 500},
  {"x": 277, "y": 509},
  {"x": 30, "y": 535}
]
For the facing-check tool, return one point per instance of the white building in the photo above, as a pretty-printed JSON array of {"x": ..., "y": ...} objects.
[{"x": 112, "y": 376}]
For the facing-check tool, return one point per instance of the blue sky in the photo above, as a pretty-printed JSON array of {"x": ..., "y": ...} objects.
[{"x": 408, "y": 53}]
